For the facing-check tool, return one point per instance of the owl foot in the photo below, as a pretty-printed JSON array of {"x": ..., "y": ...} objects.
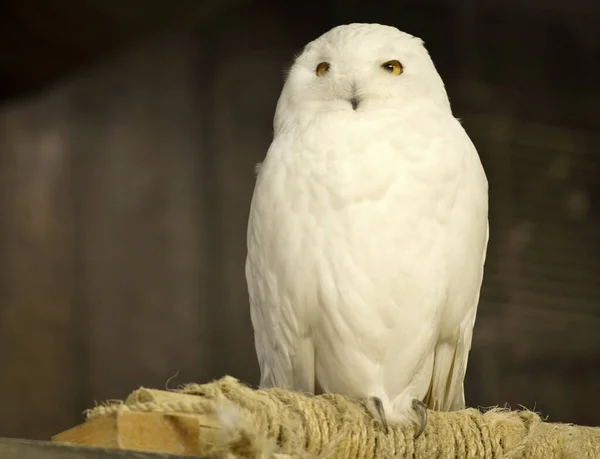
[
  {"x": 380, "y": 412},
  {"x": 376, "y": 407},
  {"x": 421, "y": 410}
]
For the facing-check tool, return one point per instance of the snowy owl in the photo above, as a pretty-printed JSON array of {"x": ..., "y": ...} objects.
[{"x": 368, "y": 230}]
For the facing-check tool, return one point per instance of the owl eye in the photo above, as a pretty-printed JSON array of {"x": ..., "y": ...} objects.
[
  {"x": 394, "y": 67},
  {"x": 322, "y": 69}
]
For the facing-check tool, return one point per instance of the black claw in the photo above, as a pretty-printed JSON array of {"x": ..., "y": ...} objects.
[
  {"x": 419, "y": 406},
  {"x": 381, "y": 413}
]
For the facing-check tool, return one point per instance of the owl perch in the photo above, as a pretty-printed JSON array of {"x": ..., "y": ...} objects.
[{"x": 226, "y": 419}]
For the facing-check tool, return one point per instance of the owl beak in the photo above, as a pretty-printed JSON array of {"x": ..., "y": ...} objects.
[{"x": 354, "y": 102}]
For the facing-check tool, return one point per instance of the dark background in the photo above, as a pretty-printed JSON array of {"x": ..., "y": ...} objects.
[{"x": 129, "y": 131}]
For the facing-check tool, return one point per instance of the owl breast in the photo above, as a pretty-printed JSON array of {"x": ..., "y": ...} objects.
[{"x": 354, "y": 204}]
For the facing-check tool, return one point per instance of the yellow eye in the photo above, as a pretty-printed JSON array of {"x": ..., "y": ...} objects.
[
  {"x": 322, "y": 69},
  {"x": 394, "y": 67}
]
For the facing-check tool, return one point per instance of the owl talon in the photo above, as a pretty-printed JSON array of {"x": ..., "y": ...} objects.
[
  {"x": 421, "y": 409},
  {"x": 381, "y": 412}
]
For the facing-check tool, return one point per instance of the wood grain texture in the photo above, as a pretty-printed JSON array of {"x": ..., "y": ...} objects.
[
  {"x": 138, "y": 221},
  {"x": 36, "y": 247},
  {"x": 137, "y": 431},
  {"x": 28, "y": 449}
]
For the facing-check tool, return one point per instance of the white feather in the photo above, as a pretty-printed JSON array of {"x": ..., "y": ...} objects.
[{"x": 368, "y": 228}]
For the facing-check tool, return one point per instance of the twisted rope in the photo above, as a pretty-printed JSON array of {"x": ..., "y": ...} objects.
[{"x": 279, "y": 423}]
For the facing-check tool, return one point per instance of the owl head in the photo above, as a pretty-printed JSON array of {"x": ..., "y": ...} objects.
[{"x": 361, "y": 68}]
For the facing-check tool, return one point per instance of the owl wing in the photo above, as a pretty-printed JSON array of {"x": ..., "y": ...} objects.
[
  {"x": 286, "y": 359},
  {"x": 284, "y": 346},
  {"x": 456, "y": 391},
  {"x": 451, "y": 357}
]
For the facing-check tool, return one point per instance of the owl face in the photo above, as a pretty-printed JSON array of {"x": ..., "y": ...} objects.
[{"x": 361, "y": 68}]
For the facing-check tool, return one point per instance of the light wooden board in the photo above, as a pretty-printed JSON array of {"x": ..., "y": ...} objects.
[{"x": 139, "y": 431}]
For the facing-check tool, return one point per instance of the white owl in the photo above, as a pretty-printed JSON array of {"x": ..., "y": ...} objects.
[{"x": 368, "y": 229}]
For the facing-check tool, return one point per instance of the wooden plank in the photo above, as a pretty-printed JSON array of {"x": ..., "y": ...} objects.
[
  {"x": 174, "y": 433},
  {"x": 236, "y": 137},
  {"x": 37, "y": 371},
  {"x": 29, "y": 449},
  {"x": 139, "y": 271},
  {"x": 143, "y": 431}
]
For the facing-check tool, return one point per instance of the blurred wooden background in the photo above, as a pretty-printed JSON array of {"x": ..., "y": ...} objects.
[{"x": 128, "y": 138}]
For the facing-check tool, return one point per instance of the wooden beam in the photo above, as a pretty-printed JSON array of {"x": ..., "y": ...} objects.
[
  {"x": 29, "y": 449},
  {"x": 143, "y": 431}
]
